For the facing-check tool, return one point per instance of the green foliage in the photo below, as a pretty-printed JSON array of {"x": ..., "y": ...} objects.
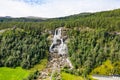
[
  {"x": 67, "y": 76},
  {"x": 33, "y": 76},
  {"x": 89, "y": 48},
  {"x": 13, "y": 74},
  {"x": 109, "y": 20},
  {"x": 22, "y": 74},
  {"x": 27, "y": 19},
  {"x": 20, "y": 48},
  {"x": 105, "y": 69},
  {"x": 55, "y": 76},
  {"x": 40, "y": 66},
  {"x": 116, "y": 66},
  {"x": 94, "y": 38}
]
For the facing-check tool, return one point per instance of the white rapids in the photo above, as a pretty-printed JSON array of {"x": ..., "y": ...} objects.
[
  {"x": 58, "y": 45},
  {"x": 60, "y": 48}
]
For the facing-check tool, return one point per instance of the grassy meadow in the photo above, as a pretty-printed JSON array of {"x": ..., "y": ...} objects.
[
  {"x": 13, "y": 74},
  {"x": 18, "y": 73},
  {"x": 67, "y": 76}
]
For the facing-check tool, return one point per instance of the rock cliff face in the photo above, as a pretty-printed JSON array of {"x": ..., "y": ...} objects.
[{"x": 58, "y": 57}]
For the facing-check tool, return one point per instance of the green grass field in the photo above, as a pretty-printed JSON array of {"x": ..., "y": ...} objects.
[
  {"x": 13, "y": 74},
  {"x": 67, "y": 76},
  {"x": 19, "y": 73}
]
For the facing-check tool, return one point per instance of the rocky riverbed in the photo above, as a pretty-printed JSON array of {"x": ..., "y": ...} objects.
[{"x": 58, "y": 57}]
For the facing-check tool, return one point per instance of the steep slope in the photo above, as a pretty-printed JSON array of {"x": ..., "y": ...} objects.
[
  {"x": 58, "y": 57},
  {"x": 89, "y": 48},
  {"x": 21, "y": 48},
  {"x": 94, "y": 38}
]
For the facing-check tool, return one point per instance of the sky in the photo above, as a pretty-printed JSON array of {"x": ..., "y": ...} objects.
[{"x": 54, "y": 8}]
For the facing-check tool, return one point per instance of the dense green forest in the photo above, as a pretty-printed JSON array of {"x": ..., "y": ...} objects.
[
  {"x": 94, "y": 39},
  {"x": 93, "y": 47},
  {"x": 22, "y": 48},
  {"x": 109, "y": 20}
]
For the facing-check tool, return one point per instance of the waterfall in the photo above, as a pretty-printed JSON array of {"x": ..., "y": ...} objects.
[
  {"x": 59, "y": 47},
  {"x": 62, "y": 49},
  {"x": 57, "y": 44}
]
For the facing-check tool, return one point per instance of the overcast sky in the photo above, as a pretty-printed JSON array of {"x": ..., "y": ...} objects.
[{"x": 54, "y": 8}]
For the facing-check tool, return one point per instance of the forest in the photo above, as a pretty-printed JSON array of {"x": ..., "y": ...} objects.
[
  {"x": 94, "y": 39},
  {"x": 21, "y": 48}
]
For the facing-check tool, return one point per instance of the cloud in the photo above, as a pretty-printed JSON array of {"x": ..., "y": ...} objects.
[
  {"x": 33, "y": 2},
  {"x": 53, "y": 8}
]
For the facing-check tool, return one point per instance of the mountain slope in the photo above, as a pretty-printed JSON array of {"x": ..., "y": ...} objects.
[{"x": 93, "y": 39}]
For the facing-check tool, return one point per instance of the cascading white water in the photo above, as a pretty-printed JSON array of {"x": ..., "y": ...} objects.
[
  {"x": 62, "y": 49},
  {"x": 57, "y": 35},
  {"x": 55, "y": 46},
  {"x": 70, "y": 64},
  {"x": 59, "y": 46}
]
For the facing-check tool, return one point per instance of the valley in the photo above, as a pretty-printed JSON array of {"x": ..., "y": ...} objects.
[{"x": 76, "y": 47}]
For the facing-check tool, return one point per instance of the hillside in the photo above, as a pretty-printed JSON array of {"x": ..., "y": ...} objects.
[
  {"x": 21, "y": 19},
  {"x": 93, "y": 41}
]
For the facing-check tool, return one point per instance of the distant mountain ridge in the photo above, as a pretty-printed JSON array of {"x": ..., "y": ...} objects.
[
  {"x": 75, "y": 16},
  {"x": 21, "y": 19}
]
